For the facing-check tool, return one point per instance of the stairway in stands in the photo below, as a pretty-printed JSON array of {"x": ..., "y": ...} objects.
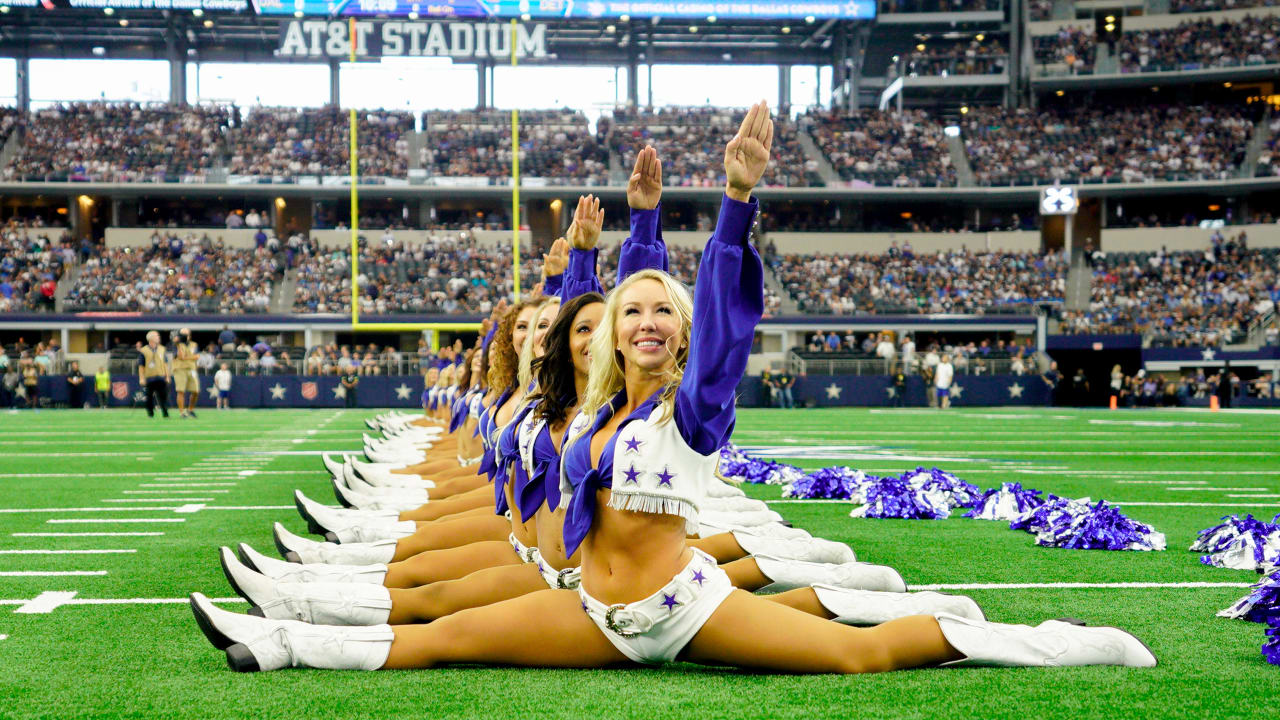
[
  {"x": 284, "y": 292},
  {"x": 829, "y": 176}
]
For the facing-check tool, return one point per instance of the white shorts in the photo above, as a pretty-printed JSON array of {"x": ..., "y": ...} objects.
[
  {"x": 524, "y": 552},
  {"x": 655, "y": 630},
  {"x": 566, "y": 579},
  {"x": 465, "y": 462}
]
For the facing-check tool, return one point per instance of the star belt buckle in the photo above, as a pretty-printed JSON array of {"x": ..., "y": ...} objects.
[
  {"x": 560, "y": 579},
  {"x": 612, "y": 624}
]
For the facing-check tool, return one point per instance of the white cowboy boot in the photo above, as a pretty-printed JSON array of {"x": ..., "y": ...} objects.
[
  {"x": 315, "y": 572},
  {"x": 808, "y": 549},
  {"x": 750, "y": 518},
  {"x": 254, "y": 643},
  {"x": 770, "y": 530},
  {"x": 309, "y": 551},
  {"x": 381, "y": 475},
  {"x": 321, "y": 517},
  {"x": 1052, "y": 643},
  {"x": 319, "y": 603},
  {"x": 333, "y": 466},
  {"x": 870, "y": 607},
  {"x": 724, "y": 489},
  {"x": 792, "y": 574},
  {"x": 418, "y": 494},
  {"x": 351, "y": 499}
]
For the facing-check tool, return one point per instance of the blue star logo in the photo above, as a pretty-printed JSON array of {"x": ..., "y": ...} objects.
[
  {"x": 665, "y": 477},
  {"x": 633, "y": 445},
  {"x": 632, "y": 473},
  {"x": 584, "y": 606},
  {"x": 698, "y": 577},
  {"x": 669, "y": 601}
]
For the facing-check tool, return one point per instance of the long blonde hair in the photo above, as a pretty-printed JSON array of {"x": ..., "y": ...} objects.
[
  {"x": 525, "y": 373},
  {"x": 606, "y": 376}
]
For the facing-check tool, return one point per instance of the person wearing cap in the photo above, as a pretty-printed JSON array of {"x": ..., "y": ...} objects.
[
  {"x": 186, "y": 383},
  {"x": 153, "y": 374}
]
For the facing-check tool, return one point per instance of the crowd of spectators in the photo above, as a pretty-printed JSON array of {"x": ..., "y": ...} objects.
[
  {"x": 118, "y": 142},
  {"x": 1041, "y": 9},
  {"x": 32, "y": 260},
  {"x": 937, "y": 6},
  {"x": 555, "y": 145},
  {"x": 885, "y": 148},
  {"x": 902, "y": 282},
  {"x": 1073, "y": 47},
  {"x": 1138, "y": 144},
  {"x": 964, "y": 57},
  {"x": 691, "y": 140},
  {"x": 1190, "y": 6},
  {"x": 284, "y": 141},
  {"x": 1203, "y": 298},
  {"x": 1204, "y": 43},
  {"x": 177, "y": 274}
]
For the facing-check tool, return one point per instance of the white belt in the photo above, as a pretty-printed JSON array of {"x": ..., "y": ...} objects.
[
  {"x": 524, "y": 552},
  {"x": 566, "y": 579}
]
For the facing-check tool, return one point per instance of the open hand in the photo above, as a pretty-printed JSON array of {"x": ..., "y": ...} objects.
[
  {"x": 588, "y": 221},
  {"x": 556, "y": 260},
  {"x": 644, "y": 189},
  {"x": 747, "y": 154}
]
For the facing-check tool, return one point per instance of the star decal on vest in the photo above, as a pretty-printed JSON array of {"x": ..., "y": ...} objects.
[
  {"x": 698, "y": 577},
  {"x": 665, "y": 477},
  {"x": 632, "y": 473},
  {"x": 633, "y": 445},
  {"x": 669, "y": 601}
]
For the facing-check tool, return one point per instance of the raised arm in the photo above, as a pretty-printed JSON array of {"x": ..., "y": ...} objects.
[
  {"x": 583, "y": 234},
  {"x": 644, "y": 247},
  {"x": 728, "y": 299},
  {"x": 554, "y": 264}
]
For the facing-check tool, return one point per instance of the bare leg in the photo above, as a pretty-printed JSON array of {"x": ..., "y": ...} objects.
[
  {"x": 452, "y": 534},
  {"x": 448, "y": 487},
  {"x": 451, "y": 564},
  {"x": 436, "y": 510},
  {"x": 543, "y": 629},
  {"x": 480, "y": 588},
  {"x": 722, "y": 547},
  {"x": 785, "y": 640}
]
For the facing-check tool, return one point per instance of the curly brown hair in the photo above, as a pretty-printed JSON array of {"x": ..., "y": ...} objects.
[{"x": 504, "y": 359}]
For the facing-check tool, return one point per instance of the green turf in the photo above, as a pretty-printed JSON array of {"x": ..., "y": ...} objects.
[{"x": 133, "y": 660}]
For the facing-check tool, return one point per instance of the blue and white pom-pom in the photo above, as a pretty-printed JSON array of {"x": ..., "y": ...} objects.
[
  {"x": 1083, "y": 525},
  {"x": 1240, "y": 543},
  {"x": 1007, "y": 502},
  {"x": 838, "y": 483},
  {"x": 736, "y": 464},
  {"x": 894, "y": 497},
  {"x": 943, "y": 486},
  {"x": 1261, "y": 605},
  {"x": 1271, "y": 648}
]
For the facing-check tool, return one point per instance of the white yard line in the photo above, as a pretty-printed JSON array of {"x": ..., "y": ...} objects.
[
  {"x": 125, "y": 601},
  {"x": 165, "y": 474},
  {"x": 46, "y": 602},
  {"x": 69, "y": 510},
  {"x": 1253, "y": 496},
  {"x": 105, "y": 521},
  {"x": 66, "y": 552},
  {"x": 186, "y": 485},
  {"x": 1219, "y": 489},
  {"x": 168, "y": 492},
  {"x": 86, "y": 534},
  {"x": 162, "y": 499},
  {"x": 1079, "y": 586},
  {"x": 1123, "y": 503},
  {"x": 52, "y": 573}
]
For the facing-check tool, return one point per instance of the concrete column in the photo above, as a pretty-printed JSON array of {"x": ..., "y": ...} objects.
[
  {"x": 23, "y": 67},
  {"x": 177, "y": 79},
  {"x": 482, "y": 92},
  {"x": 633, "y": 82},
  {"x": 335, "y": 83},
  {"x": 784, "y": 90}
]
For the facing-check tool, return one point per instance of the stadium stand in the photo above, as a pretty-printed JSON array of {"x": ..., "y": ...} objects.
[
  {"x": 556, "y": 146},
  {"x": 885, "y": 149},
  {"x": 964, "y": 57},
  {"x": 283, "y": 141}
]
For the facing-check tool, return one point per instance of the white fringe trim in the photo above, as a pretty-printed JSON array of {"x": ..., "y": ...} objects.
[{"x": 656, "y": 505}]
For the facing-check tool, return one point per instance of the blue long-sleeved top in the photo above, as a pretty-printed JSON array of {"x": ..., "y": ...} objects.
[
  {"x": 553, "y": 283},
  {"x": 488, "y": 434},
  {"x": 507, "y": 460},
  {"x": 728, "y": 303}
]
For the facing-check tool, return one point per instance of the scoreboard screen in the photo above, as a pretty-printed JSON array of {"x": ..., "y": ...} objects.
[{"x": 851, "y": 10}]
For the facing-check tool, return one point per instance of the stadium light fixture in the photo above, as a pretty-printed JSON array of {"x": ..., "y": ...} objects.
[
  {"x": 979, "y": 37},
  {"x": 1110, "y": 18},
  {"x": 624, "y": 18},
  {"x": 526, "y": 17},
  {"x": 693, "y": 29},
  {"x": 711, "y": 18},
  {"x": 413, "y": 15},
  {"x": 208, "y": 23},
  {"x": 108, "y": 11},
  {"x": 611, "y": 29},
  {"x": 786, "y": 29},
  {"x": 197, "y": 12},
  {"x": 297, "y": 13},
  {"x": 920, "y": 47},
  {"x": 1215, "y": 208},
  {"x": 1226, "y": 84},
  {"x": 1109, "y": 27},
  {"x": 951, "y": 131},
  {"x": 124, "y": 22},
  {"x": 810, "y": 19},
  {"x": 904, "y": 215},
  {"x": 99, "y": 50},
  {"x": 4, "y": 9},
  {"x": 1060, "y": 93},
  {"x": 556, "y": 205},
  {"x": 279, "y": 203},
  {"x": 964, "y": 109}
]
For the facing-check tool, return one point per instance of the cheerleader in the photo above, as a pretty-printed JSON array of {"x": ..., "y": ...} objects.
[{"x": 637, "y": 460}]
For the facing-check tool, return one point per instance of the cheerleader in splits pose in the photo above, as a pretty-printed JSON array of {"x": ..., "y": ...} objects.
[
  {"x": 535, "y": 495},
  {"x": 636, "y": 461}
]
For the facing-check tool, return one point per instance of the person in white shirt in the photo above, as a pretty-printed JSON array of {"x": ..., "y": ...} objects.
[
  {"x": 942, "y": 377},
  {"x": 908, "y": 353},
  {"x": 253, "y": 220},
  {"x": 222, "y": 381}
]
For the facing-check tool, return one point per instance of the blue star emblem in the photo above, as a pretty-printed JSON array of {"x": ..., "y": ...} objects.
[
  {"x": 633, "y": 445},
  {"x": 665, "y": 477},
  {"x": 669, "y": 601},
  {"x": 632, "y": 473},
  {"x": 584, "y": 606},
  {"x": 698, "y": 577}
]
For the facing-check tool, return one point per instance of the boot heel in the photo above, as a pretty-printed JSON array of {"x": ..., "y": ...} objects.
[{"x": 240, "y": 659}]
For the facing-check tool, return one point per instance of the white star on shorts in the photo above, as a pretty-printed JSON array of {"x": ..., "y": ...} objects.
[
  {"x": 403, "y": 392},
  {"x": 833, "y": 391},
  {"x": 277, "y": 391}
]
